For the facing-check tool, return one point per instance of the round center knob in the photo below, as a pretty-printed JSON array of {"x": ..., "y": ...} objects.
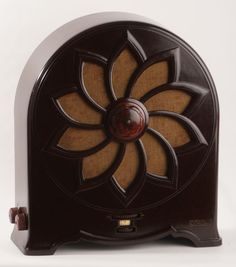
[{"x": 127, "y": 120}]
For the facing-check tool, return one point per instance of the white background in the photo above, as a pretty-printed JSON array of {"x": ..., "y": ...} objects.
[{"x": 210, "y": 28}]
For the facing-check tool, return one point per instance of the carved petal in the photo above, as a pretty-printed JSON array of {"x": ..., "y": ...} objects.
[
  {"x": 162, "y": 163},
  {"x": 123, "y": 64},
  {"x": 127, "y": 171},
  {"x": 154, "y": 76},
  {"x": 171, "y": 129},
  {"x": 94, "y": 84},
  {"x": 98, "y": 163},
  {"x": 156, "y": 155},
  {"x": 170, "y": 100},
  {"x": 179, "y": 97},
  {"x": 75, "y": 139},
  {"x": 154, "y": 72},
  {"x": 177, "y": 129},
  {"x": 122, "y": 69},
  {"x": 73, "y": 106}
]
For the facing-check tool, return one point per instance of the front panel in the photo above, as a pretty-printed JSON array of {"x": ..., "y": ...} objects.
[{"x": 122, "y": 130}]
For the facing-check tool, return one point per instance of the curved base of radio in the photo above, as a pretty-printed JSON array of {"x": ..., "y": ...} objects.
[{"x": 206, "y": 237}]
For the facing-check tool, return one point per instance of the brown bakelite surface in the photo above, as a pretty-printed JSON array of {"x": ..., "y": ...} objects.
[{"x": 122, "y": 142}]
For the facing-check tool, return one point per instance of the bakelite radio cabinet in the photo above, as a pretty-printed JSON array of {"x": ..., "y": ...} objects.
[{"x": 116, "y": 138}]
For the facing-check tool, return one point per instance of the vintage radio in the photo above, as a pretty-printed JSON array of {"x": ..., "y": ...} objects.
[{"x": 116, "y": 138}]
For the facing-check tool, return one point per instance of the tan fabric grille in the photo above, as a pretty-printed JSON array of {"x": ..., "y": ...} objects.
[
  {"x": 99, "y": 162},
  {"x": 153, "y": 76},
  {"x": 128, "y": 168},
  {"x": 80, "y": 139},
  {"x": 123, "y": 68},
  {"x": 156, "y": 155},
  {"x": 78, "y": 109},
  {"x": 170, "y": 100},
  {"x": 93, "y": 78},
  {"x": 171, "y": 129}
]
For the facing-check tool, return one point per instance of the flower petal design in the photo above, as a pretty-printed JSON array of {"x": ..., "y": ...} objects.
[
  {"x": 123, "y": 63},
  {"x": 74, "y": 139},
  {"x": 166, "y": 174},
  {"x": 100, "y": 82},
  {"x": 156, "y": 155},
  {"x": 127, "y": 171},
  {"x": 156, "y": 71},
  {"x": 75, "y": 108},
  {"x": 169, "y": 100},
  {"x": 122, "y": 69},
  {"x": 154, "y": 76},
  {"x": 94, "y": 83},
  {"x": 178, "y": 97},
  {"x": 90, "y": 77},
  {"x": 176, "y": 128},
  {"x": 171, "y": 129},
  {"x": 98, "y": 163}
]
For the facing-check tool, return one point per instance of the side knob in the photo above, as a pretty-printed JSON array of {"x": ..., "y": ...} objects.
[
  {"x": 12, "y": 214},
  {"x": 21, "y": 221},
  {"x": 18, "y": 216}
]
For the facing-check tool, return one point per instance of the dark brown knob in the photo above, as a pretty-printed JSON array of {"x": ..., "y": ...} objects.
[
  {"x": 127, "y": 120},
  {"x": 12, "y": 214},
  {"x": 21, "y": 221}
]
